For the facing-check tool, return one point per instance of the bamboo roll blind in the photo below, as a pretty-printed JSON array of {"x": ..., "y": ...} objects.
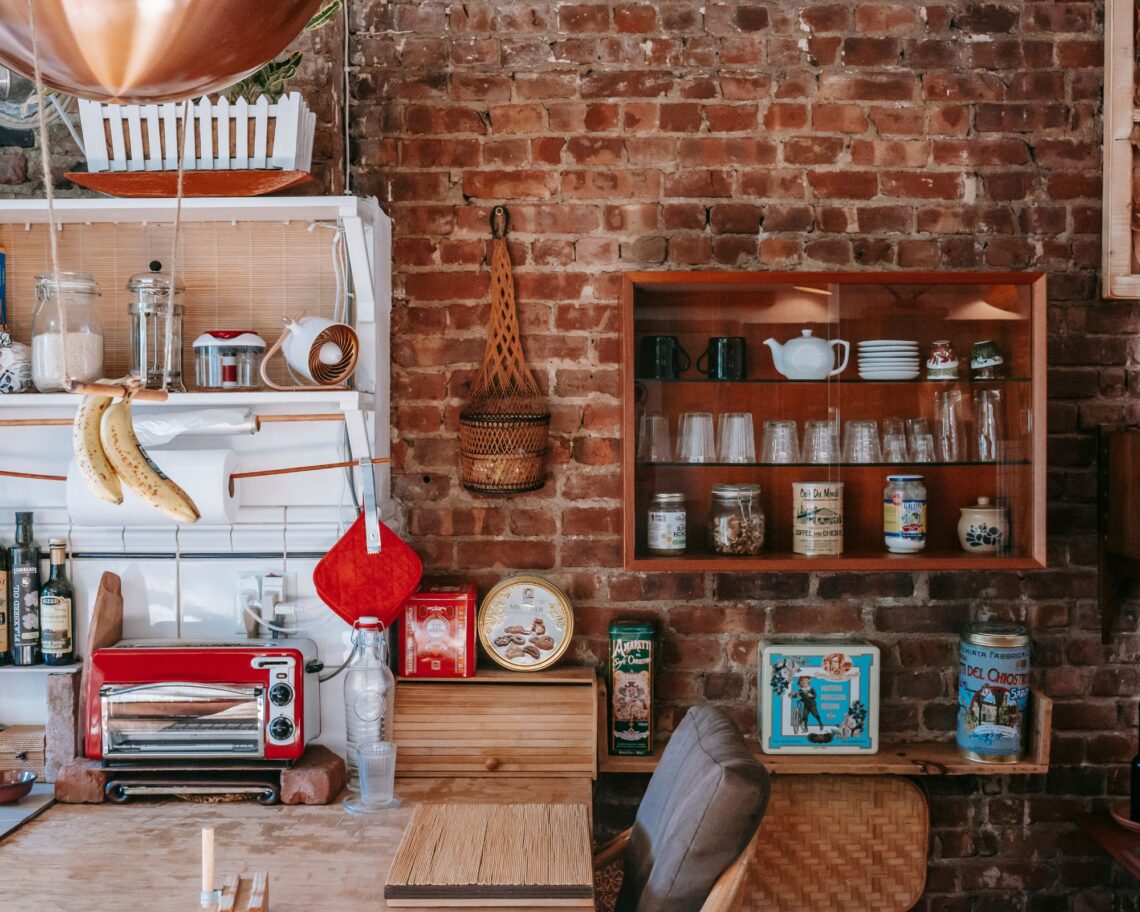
[{"x": 249, "y": 275}]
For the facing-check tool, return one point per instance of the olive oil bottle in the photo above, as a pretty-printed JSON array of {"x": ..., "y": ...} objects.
[
  {"x": 5, "y": 612},
  {"x": 57, "y": 610},
  {"x": 24, "y": 593}
]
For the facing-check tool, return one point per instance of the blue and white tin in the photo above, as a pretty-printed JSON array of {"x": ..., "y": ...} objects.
[
  {"x": 819, "y": 698},
  {"x": 993, "y": 692}
]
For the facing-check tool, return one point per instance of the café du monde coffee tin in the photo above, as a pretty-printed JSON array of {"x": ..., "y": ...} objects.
[
  {"x": 630, "y": 682},
  {"x": 993, "y": 692},
  {"x": 817, "y": 517}
]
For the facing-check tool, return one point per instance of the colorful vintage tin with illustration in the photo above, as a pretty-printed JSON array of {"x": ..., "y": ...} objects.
[
  {"x": 819, "y": 698},
  {"x": 630, "y": 682},
  {"x": 817, "y": 517},
  {"x": 993, "y": 692}
]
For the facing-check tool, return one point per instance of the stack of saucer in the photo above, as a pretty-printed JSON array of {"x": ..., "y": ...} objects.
[{"x": 888, "y": 359}]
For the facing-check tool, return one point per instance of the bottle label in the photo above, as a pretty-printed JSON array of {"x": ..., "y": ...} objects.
[
  {"x": 904, "y": 519},
  {"x": 5, "y": 631},
  {"x": 667, "y": 530},
  {"x": 25, "y": 606},
  {"x": 55, "y": 616}
]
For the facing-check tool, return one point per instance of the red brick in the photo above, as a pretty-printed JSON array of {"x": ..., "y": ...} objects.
[
  {"x": 812, "y": 150},
  {"x": 867, "y": 86},
  {"x": 726, "y": 151},
  {"x": 827, "y": 18},
  {"x": 786, "y": 117},
  {"x": 886, "y": 17},
  {"x": 870, "y": 51},
  {"x": 594, "y": 150},
  {"x": 584, "y": 17},
  {"x": 844, "y": 184},
  {"x": 480, "y": 87},
  {"x": 635, "y": 17},
  {"x": 838, "y": 118},
  {"x": 627, "y": 84},
  {"x": 680, "y": 118},
  {"x": 922, "y": 185},
  {"x": 611, "y": 184},
  {"x": 545, "y": 85},
  {"x": 732, "y": 118},
  {"x": 498, "y": 185},
  {"x": 516, "y": 118}
]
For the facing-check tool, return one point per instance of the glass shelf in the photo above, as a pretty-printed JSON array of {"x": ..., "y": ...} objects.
[
  {"x": 833, "y": 465},
  {"x": 841, "y": 380}
]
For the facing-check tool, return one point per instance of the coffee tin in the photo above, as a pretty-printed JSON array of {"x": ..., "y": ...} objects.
[
  {"x": 817, "y": 517},
  {"x": 993, "y": 692},
  {"x": 630, "y": 682}
]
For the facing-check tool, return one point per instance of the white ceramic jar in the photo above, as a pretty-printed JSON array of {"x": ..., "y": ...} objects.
[{"x": 984, "y": 528}]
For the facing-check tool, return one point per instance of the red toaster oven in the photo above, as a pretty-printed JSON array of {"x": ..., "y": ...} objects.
[{"x": 179, "y": 700}]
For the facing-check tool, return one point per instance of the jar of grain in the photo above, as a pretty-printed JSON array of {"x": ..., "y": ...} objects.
[
  {"x": 67, "y": 331},
  {"x": 736, "y": 519}
]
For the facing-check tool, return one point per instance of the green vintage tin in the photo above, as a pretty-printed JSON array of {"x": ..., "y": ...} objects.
[{"x": 630, "y": 681}]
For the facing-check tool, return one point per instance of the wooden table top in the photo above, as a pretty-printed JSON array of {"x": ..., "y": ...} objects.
[{"x": 107, "y": 858}]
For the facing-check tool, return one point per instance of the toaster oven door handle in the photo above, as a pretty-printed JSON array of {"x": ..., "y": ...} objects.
[{"x": 112, "y": 690}]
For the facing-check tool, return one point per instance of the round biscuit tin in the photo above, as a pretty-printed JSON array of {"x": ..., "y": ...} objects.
[
  {"x": 993, "y": 692},
  {"x": 817, "y": 517}
]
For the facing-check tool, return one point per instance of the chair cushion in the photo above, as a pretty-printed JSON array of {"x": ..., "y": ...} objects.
[{"x": 704, "y": 803}]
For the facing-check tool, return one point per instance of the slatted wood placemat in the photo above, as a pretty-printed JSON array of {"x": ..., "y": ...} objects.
[{"x": 506, "y": 854}]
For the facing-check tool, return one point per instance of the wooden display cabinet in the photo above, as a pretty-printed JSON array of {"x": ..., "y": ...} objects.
[{"x": 1008, "y": 308}]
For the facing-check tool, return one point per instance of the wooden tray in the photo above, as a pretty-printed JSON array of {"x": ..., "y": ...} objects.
[{"x": 247, "y": 182}]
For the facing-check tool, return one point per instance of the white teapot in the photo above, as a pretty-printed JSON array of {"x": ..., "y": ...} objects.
[{"x": 808, "y": 357}]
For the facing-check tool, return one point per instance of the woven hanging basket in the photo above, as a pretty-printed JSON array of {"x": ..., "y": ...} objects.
[{"x": 503, "y": 429}]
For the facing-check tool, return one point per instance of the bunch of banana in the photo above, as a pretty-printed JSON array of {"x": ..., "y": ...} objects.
[{"x": 109, "y": 455}]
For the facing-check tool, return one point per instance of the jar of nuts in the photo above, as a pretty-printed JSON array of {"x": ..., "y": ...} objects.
[{"x": 736, "y": 519}]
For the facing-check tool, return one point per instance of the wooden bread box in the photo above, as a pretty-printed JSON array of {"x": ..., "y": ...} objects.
[
  {"x": 22, "y": 747},
  {"x": 499, "y": 723}
]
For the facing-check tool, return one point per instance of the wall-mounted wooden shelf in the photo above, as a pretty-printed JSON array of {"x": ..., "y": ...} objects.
[
  {"x": 964, "y": 308},
  {"x": 926, "y": 758}
]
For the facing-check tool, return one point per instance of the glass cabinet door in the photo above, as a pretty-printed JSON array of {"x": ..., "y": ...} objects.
[{"x": 771, "y": 409}]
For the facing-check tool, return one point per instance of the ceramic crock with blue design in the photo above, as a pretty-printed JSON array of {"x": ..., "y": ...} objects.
[{"x": 993, "y": 692}]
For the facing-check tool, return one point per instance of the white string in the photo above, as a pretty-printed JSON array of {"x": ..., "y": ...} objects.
[
  {"x": 168, "y": 340},
  {"x": 49, "y": 192}
]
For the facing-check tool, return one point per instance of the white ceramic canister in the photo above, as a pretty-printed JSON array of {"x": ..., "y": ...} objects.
[
  {"x": 984, "y": 528},
  {"x": 817, "y": 517}
]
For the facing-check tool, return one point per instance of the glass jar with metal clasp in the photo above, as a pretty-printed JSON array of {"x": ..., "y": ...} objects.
[{"x": 736, "y": 519}]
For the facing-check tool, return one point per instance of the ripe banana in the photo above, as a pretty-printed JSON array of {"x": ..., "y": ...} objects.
[
  {"x": 136, "y": 469},
  {"x": 92, "y": 462}
]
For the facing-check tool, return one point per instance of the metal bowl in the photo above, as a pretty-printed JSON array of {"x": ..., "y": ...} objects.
[{"x": 15, "y": 784}]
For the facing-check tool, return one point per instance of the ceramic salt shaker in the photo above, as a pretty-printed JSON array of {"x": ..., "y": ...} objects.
[{"x": 983, "y": 528}]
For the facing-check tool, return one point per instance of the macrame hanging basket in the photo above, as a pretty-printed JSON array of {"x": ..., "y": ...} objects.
[{"x": 503, "y": 429}]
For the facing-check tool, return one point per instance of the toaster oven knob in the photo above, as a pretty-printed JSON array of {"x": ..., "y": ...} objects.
[
  {"x": 281, "y": 729},
  {"x": 280, "y": 694}
]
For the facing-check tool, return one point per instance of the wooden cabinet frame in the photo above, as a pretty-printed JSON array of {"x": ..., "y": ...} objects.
[
  {"x": 1120, "y": 274},
  {"x": 1029, "y": 551}
]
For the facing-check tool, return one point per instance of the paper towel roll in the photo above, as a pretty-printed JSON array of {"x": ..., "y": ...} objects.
[{"x": 203, "y": 474}]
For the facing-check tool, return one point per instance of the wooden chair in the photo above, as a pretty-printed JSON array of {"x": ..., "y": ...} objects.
[{"x": 728, "y": 894}]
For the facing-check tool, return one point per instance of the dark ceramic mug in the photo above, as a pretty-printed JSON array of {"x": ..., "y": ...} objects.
[
  {"x": 725, "y": 357},
  {"x": 662, "y": 358}
]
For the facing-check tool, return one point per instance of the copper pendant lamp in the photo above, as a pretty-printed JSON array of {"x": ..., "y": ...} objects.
[{"x": 145, "y": 51}]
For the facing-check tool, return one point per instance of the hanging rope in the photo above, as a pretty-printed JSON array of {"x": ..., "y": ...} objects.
[{"x": 49, "y": 191}]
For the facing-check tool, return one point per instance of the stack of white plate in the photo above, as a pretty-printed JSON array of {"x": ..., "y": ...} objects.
[{"x": 888, "y": 359}]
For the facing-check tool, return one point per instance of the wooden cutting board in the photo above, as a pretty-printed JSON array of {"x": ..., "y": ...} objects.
[
  {"x": 468, "y": 856},
  {"x": 106, "y": 629}
]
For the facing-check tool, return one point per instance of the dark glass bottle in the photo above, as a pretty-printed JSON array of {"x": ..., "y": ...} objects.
[
  {"x": 1135, "y": 809},
  {"x": 57, "y": 610},
  {"x": 5, "y": 612},
  {"x": 24, "y": 593}
]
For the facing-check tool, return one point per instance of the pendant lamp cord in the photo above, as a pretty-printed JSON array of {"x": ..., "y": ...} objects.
[
  {"x": 49, "y": 192},
  {"x": 168, "y": 339}
]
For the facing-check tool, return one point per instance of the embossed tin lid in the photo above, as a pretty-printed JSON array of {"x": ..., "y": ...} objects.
[{"x": 999, "y": 634}]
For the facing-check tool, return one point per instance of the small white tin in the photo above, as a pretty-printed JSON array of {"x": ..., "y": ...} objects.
[{"x": 818, "y": 698}]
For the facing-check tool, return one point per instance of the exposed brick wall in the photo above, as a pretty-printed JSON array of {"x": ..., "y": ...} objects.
[{"x": 747, "y": 135}]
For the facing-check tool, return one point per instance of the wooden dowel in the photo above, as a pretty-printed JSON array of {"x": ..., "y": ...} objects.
[
  {"x": 34, "y": 422},
  {"x": 7, "y": 474},
  {"x": 115, "y": 389},
  {"x": 261, "y": 473},
  {"x": 275, "y": 419}
]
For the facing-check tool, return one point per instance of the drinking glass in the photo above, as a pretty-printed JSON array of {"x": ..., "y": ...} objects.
[
  {"x": 781, "y": 444},
  {"x": 736, "y": 438},
  {"x": 821, "y": 442},
  {"x": 653, "y": 438},
  {"x": 988, "y": 430},
  {"x": 894, "y": 440},
  {"x": 695, "y": 438},
  {"x": 948, "y": 425},
  {"x": 861, "y": 442},
  {"x": 377, "y": 760},
  {"x": 921, "y": 440}
]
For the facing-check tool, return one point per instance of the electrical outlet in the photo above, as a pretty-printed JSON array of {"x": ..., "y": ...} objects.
[{"x": 248, "y": 595}]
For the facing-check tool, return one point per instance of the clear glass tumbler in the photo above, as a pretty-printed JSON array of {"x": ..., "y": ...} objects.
[
  {"x": 861, "y": 442},
  {"x": 377, "y": 762},
  {"x": 736, "y": 439},
  {"x": 781, "y": 443},
  {"x": 695, "y": 439}
]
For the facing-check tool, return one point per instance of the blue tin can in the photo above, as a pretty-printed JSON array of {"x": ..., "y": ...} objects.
[{"x": 993, "y": 692}]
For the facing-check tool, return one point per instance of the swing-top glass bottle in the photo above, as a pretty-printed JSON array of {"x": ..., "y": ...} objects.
[{"x": 369, "y": 693}]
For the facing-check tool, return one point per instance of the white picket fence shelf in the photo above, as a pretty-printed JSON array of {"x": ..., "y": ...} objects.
[{"x": 220, "y": 135}]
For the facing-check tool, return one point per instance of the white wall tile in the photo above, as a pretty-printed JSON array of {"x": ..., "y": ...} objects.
[{"x": 208, "y": 595}]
